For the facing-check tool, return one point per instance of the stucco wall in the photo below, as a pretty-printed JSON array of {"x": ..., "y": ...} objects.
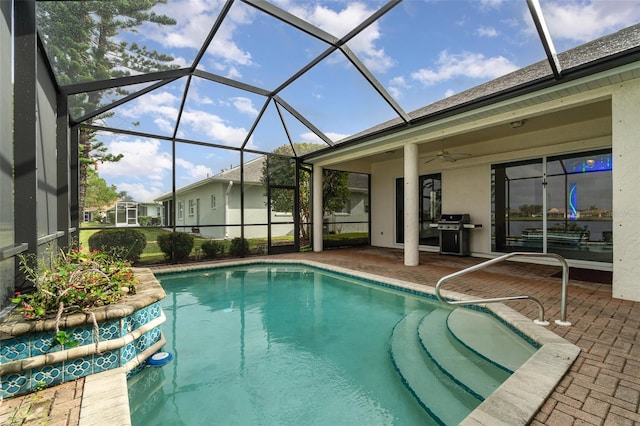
[{"x": 468, "y": 190}]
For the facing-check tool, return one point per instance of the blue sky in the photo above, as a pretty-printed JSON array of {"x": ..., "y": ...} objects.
[{"x": 421, "y": 51}]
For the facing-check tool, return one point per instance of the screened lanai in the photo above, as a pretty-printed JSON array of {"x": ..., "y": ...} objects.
[
  {"x": 232, "y": 81},
  {"x": 210, "y": 115}
]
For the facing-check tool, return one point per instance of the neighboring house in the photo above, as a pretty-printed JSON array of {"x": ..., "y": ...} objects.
[
  {"x": 211, "y": 206},
  {"x": 125, "y": 213}
]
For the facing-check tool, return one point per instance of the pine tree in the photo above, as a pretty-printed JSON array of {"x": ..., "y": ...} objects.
[{"x": 83, "y": 44}]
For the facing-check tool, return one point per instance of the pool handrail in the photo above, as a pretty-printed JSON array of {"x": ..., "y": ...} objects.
[{"x": 541, "y": 321}]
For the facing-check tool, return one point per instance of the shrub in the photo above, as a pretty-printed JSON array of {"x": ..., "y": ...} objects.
[
  {"x": 212, "y": 248},
  {"x": 183, "y": 243},
  {"x": 239, "y": 247},
  {"x": 72, "y": 281},
  {"x": 144, "y": 220},
  {"x": 125, "y": 243}
]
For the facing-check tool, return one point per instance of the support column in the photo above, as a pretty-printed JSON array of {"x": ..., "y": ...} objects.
[
  {"x": 626, "y": 175},
  {"x": 411, "y": 208},
  {"x": 63, "y": 169},
  {"x": 317, "y": 208},
  {"x": 25, "y": 125}
]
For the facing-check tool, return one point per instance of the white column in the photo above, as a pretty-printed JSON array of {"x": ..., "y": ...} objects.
[
  {"x": 411, "y": 220},
  {"x": 626, "y": 175},
  {"x": 317, "y": 208}
]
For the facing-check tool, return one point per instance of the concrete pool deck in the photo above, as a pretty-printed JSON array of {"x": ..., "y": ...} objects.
[{"x": 601, "y": 387}]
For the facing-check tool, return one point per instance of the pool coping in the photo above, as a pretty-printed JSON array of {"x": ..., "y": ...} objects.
[{"x": 519, "y": 398}]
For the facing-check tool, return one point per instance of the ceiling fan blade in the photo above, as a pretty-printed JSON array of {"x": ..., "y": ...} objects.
[{"x": 430, "y": 160}]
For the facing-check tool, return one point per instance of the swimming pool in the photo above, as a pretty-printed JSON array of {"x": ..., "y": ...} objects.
[{"x": 290, "y": 344}]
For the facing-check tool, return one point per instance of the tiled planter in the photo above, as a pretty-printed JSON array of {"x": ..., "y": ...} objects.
[{"x": 128, "y": 333}]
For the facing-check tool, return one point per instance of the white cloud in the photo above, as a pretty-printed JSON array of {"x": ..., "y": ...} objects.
[
  {"x": 487, "y": 32},
  {"x": 465, "y": 64},
  {"x": 491, "y": 3},
  {"x": 214, "y": 127},
  {"x": 141, "y": 192},
  {"x": 449, "y": 92},
  {"x": 194, "y": 172},
  {"x": 244, "y": 105},
  {"x": 340, "y": 23},
  {"x": 141, "y": 159},
  {"x": 582, "y": 21},
  {"x": 397, "y": 86}
]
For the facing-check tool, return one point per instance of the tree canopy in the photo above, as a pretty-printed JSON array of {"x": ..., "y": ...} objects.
[
  {"x": 99, "y": 194},
  {"x": 84, "y": 41}
]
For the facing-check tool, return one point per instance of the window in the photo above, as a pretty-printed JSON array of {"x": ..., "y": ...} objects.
[
  {"x": 430, "y": 209},
  {"x": 180, "y": 209},
  {"x": 213, "y": 202},
  {"x": 560, "y": 204},
  {"x": 192, "y": 208},
  {"x": 346, "y": 208}
]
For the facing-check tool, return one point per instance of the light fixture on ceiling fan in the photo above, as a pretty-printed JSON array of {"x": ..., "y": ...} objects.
[{"x": 448, "y": 156}]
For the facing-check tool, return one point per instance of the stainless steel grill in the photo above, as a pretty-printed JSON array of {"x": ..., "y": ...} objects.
[{"x": 454, "y": 233}]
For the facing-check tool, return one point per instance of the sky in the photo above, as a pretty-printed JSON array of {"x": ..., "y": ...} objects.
[{"x": 420, "y": 52}]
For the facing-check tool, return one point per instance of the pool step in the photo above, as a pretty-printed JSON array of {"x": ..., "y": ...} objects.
[
  {"x": 476, "y": 375},
  {"x": 447, "y": 402},
  {"x": 489, "y": 338}
]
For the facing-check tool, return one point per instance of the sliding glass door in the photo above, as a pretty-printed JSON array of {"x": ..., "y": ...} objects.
[{"x": 560, "y": 204}]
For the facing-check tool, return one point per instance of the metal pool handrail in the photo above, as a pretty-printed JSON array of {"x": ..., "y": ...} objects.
[{"x": 540, "y": 320}]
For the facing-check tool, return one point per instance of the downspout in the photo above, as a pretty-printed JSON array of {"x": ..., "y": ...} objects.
[{"x": 226, "y": 209}]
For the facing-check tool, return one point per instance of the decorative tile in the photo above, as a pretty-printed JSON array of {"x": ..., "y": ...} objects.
[
  {"x": 83, "y": 335},
  {"x": 49, "y": 375},
  {"x": 155, "y": 334},
  {"x": 129, "y": 324},
  {"x": 127, "y": 353},
  {"x": 14, "y": 349},
  {"x": 13, "y": 384},
  {"x": 41, "y": 343},
  {"x": 106, "y": 361},
  {"x": 109, "y": 330},
  {"x": 154, "y": 311},
  {"x": 77, "y": 368}
]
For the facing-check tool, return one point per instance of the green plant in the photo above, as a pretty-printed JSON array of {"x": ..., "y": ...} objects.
[
  {"x": 144, "y": 220},
  {"x": 64, "y": 339},
  {"x": 125, "y": 243},
  {"x": 239, "y": 247},
  {"x": 183, "y": 245},
  {"x": 65, "y": 282},
  {"x": 212, "y": 248}
]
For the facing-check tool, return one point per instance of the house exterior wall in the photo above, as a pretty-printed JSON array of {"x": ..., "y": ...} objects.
[
  {"x": 626, "y": 175},
  {"x": 462, "y": 192}
]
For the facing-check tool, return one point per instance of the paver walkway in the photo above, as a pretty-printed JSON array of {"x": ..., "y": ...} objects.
[{"x": 601, "y": 388}]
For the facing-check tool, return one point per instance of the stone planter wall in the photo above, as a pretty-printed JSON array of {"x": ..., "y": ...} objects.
[{"x": 128, "y": 333}]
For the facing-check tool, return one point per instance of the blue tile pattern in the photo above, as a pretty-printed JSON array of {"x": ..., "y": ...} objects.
[
  {"x": 15, "y": 349},
  {"x": 23, "y": 347},
  {"x": 13, "y": 384},
  {"x": 109, "y": 330},
  {"x": 48, "y": 375},
  {"x": 41, "y": 344},
  {"x": 79, "y": 367}
]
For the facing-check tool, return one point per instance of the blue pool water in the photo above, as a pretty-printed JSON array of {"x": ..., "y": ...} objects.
[{"x": 278, "y": 345}]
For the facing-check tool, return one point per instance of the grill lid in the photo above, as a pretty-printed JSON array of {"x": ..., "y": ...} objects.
[{"x": 455, "y": 218}]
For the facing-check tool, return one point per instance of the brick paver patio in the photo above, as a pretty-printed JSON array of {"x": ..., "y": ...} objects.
[{"x": 601, "y": 388}]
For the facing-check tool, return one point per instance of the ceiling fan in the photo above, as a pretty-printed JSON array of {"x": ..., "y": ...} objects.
[{"x": 448, "y": 156}]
